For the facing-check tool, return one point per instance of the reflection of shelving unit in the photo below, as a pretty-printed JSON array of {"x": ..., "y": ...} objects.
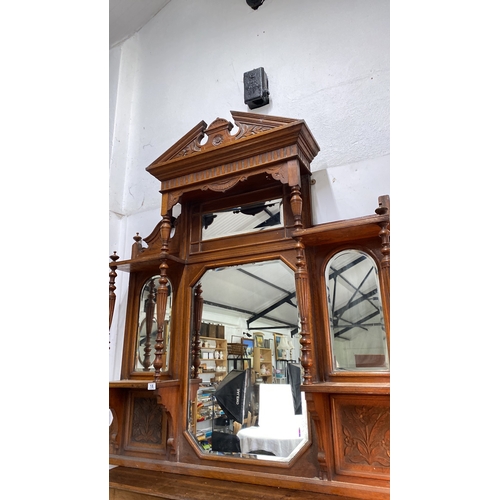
[
  {"x": 263, "y": 364},
  {"x": 206, "y": 411},
  {"x": 213, "y": 359}
]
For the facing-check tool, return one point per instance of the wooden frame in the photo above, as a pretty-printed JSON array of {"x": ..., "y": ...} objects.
[
  {"x": 249, "y": 345},
  {"x": 277, "y": 348},
  {"x": 259, "y": 339}
]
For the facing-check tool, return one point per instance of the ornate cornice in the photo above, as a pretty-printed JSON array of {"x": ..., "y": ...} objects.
[{"x": 213, "y": 158}]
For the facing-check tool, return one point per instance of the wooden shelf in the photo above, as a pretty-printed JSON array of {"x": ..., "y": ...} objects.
[
  {"x": 263, "y": 360},
  {"x": 216, "y": 345}
]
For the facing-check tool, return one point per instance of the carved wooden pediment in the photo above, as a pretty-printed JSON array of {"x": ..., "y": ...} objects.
[
  {"x": 212, "y": 157},
  {"x": 218, "y": 134}
]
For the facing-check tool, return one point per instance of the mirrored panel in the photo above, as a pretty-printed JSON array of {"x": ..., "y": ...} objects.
[
  {"x": 357, "y": 328},
  {"x": 147, "y": 329},
  {"x": 248, "y": 218},
  {"x": 246, "y": 401}
]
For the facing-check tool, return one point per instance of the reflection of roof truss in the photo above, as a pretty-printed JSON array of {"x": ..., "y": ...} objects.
[
  {"x": 264, "y": 314},
  {"x": 359, "y": 324},
  {"x": 337, "y": 314},
  {"x": 250, "y": 313},
  {"x": 257, "y": 209}
]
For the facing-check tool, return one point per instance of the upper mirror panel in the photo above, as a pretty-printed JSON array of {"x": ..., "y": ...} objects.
[
  {"x": 147, "y": 328},
  {"x": 249, "y": 218},
  {"x": 357, "y": 328},
  {"x": 246, "y": 401}
]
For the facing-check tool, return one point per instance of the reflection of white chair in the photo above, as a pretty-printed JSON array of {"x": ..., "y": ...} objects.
[{"x": 279, "y": 430}]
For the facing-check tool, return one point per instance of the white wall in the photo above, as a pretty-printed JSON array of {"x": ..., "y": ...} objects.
[{"x": 327, "y": 62}]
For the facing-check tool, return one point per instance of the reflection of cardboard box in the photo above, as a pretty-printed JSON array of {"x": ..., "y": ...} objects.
[
  {"x": 212, "y": 330},
  {"x": 220, "y": 331}
]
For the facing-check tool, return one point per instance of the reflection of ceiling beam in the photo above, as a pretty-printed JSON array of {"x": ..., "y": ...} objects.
[
  {"x": 357, "y": 289},
  {"x": 272, "y": 220},
  {"x": 272, "y": 307},
  {"x": 336, "y": 272},
  {"x": 357, "y": 324},
  {"x": 365, "y": 296},
  {"x": 262, "y": 280},
  {"x": 248, "y": 313},
  {"x": 341, "y": 310},
  {"x": 285, "y": 300}
]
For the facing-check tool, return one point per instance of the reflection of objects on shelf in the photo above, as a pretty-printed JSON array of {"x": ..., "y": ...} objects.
[{"x": 287, "y": 345}]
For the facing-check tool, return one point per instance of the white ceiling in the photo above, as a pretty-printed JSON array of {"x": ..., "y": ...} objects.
[{"x": 126, "y": 17}]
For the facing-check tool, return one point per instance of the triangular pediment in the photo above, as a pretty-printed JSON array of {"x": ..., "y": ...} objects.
[{"x": 202, "y": 137}]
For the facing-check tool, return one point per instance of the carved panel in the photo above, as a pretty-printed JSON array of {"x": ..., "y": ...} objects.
[
  {"x": 146, "y": 426},
  {"x": 362, "y": 436},
  {"x": 146, "y": 421}
]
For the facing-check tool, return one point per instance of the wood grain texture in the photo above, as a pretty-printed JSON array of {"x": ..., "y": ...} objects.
[{"x": 135, "y": 484}]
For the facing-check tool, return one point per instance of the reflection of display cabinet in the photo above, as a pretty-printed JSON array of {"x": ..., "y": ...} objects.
[
  {"x": 206, "y": 411},
  {"x": 213, "y": 359},
  {"x": 263, "y": 364}
]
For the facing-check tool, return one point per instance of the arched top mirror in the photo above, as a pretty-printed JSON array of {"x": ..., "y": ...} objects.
[
  {"x": 246, "y": 399},
  {"x": 357, "y": 329},
  {"x": 147, "y": 329}
]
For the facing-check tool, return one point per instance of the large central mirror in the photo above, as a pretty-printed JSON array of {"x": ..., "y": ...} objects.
[{"x": 246, "y": 400}]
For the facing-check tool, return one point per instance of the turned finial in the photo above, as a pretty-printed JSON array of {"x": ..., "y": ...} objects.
[
  {"x": 137, "y": 246},
  {"x": 384, "y": 205}
]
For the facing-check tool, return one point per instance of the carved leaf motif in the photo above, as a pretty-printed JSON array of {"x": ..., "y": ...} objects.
[
  {"x": 193, "y": 147},
  {"x": 146, "y": 421},
  {"x": 366, "y": 435},
  {"x": 246, "y": 130}
]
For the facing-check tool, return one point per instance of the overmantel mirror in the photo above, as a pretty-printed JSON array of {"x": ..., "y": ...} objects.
[{"x": 246, "y": 324}]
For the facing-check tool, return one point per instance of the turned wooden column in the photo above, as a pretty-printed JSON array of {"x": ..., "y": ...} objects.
[
  {"x": 302, "y": 288},
  {"x": 303, "y": 303},
  {"x": 385, "y": 265},
  {"x": 195, "y": 345},
  {"x": 162, "y": 295},
  {"x": 296, "y": 205},
  {"x": 112, "y": 287}
]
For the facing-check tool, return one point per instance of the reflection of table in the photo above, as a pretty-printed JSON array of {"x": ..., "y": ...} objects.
[
  {"x": 280, "y": 442},
  {"x": 280, "y": 431}
]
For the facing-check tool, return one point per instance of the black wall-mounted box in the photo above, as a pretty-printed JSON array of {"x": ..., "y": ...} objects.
[{"x": 256, "y": 88}]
